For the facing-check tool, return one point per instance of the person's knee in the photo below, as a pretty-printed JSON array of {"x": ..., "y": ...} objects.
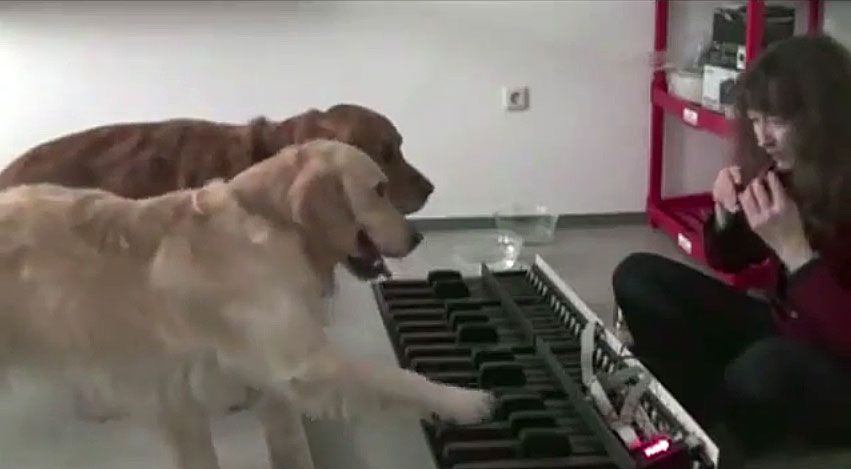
[
  {"x": 761, "y": 372},
  {"x": 636, "y": 277},
  {"x": 756, "y": 390},
  {"x": 632, "y": 275}
]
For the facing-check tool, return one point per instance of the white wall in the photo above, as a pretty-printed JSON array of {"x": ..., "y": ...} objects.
[
  {"x": 837, "y": 20},
  {"x": 435, "y": 68}
]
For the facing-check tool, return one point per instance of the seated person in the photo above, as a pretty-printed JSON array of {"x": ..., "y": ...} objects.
[{"x": 770, "y": 370}]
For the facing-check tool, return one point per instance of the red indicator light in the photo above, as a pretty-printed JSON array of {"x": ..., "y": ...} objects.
[{"x": 657, "y": 448}]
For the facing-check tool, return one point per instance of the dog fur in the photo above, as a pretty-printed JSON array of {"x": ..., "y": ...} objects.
[
  {"x": 171, "y": 298},
  {"x": 146, "y": 159}
]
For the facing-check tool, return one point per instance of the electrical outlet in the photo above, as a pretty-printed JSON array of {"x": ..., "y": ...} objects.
[{"x": 515, "y": 98}]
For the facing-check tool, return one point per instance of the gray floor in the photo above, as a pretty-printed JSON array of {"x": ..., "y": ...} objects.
[{"x": 583, "y": 256}]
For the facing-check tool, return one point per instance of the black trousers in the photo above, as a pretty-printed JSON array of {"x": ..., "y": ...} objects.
[{"x": 715, "y": 349}]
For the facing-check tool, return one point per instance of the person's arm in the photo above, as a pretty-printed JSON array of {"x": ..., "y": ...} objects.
[
  {"x": 730, "y": 245},
  {"x": 820, "y": 292}
]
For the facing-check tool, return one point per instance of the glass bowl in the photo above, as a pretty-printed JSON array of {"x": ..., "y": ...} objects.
[
  {"x": 498, "y": 249},
  {"x": 533, "y": 223}
]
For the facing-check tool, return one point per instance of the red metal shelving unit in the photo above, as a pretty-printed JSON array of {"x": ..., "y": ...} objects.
[{"x": 681, "y": 217}]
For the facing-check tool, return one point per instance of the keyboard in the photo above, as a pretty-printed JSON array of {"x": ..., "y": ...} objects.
[{"x": 569, "y": 394}]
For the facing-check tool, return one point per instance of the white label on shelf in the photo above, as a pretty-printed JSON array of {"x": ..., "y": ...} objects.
[
  {"x": 684, "y": 242},
  {"x": 690, "y": 116}
]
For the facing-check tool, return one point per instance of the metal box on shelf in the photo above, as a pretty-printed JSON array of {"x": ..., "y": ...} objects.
[
  {"x": 719, "y": 85},
  {"x": 729, "y": 24}
]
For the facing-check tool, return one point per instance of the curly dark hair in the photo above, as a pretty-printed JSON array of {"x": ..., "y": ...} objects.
[{"x": 805, "y": 80}]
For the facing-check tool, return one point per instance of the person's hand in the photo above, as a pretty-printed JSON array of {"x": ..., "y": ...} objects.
[
  {"x": 724, "y": 189},
  {"x": 774, "y": 216}
]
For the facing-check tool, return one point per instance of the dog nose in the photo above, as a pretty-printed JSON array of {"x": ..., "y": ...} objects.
[
  {"x": 428, "y": 186},
  {"x": 416, "y": 239},
  {"x": 423, "y": 184}
]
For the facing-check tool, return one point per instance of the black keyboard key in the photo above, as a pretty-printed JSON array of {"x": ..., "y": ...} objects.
[
  {"x": 443, "y": 275},
  {"x": 451, "y": 289},
  {"x": 441, "y": 364},
  {"x": 531, "y": 419},
  {"x": 471, "y": 451},
  {"x": 544, "y": 443},
  {"x": 436, "y": 350},
  {"x": 458, "y": 378},
  {"x": 421, "y": 326},
  {"x": 445, "y": 434},
  {"x": 465, "y": 305},
  {"x": 477, "y": 334},
  {"x": 417, "y": 314},
  {"x": 414, "y": 304},
  {"x": 416, "y": 293},
  {"x": 423, "y": 338},
  {"x": 573, "y": 462},
  {"x": 492, "y": 355},
  {"x": 511, "y": 403},
  {"x": 458, "y": 319},
  {"x": 501, "y": 374},
  {"x": 585, "y": 444}
]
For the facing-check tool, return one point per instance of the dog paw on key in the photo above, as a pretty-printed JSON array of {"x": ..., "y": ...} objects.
[{"x": 466, "y": 406}]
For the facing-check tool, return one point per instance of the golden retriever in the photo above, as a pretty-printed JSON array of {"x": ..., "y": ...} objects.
[
  {"x": 170, "y": 299},
  {"x": 146, "y": 159}
]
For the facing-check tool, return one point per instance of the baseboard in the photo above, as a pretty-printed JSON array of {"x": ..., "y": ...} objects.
[{"x": 564, "y": 221}]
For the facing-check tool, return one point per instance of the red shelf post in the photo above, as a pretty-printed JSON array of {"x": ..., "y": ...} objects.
[
  {"x": 681, "y": 217},
  {"x": 754, "y": 29},
  {"x": 657, "y": 137},
  {"x": 816, "y": 16}
]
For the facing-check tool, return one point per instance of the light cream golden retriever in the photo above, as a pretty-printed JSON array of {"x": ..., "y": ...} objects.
[{"x": 170, "y": 300}]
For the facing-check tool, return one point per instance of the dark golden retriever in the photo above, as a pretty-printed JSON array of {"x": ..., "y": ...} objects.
[{"x": 145, "y": 159}]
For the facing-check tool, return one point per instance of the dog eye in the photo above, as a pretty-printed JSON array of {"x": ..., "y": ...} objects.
[{"x": 380, "y": 189}]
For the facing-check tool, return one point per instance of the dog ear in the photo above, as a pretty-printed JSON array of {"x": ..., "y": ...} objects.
[
  {"x": 268, "y": 137},
  {"x": 315, "y": 125},
  {"x": 318, "y": 199}
]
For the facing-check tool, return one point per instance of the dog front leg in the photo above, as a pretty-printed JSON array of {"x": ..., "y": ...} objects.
[
  {"x": 285, "y": 436},
  {"x": 186, "y": 425},
  {"x": 333, "y": 384}
]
